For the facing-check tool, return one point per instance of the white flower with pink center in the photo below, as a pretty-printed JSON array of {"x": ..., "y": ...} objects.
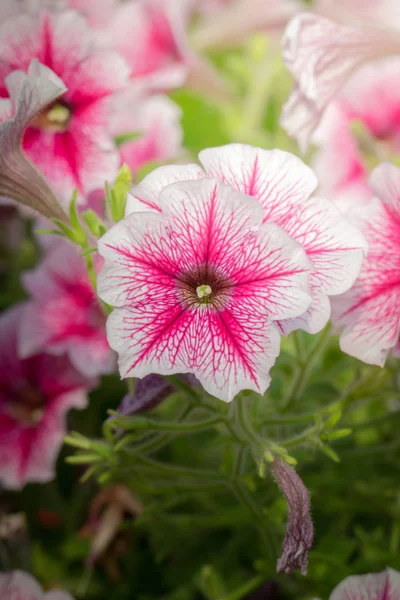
[
  {"x": 348, "y": 149},
  {"x": 197, "y": 285},
  {"x": 283, "y": 185},
  {"x": 35, "y": 396},
  {"x": 369, "y": 312},
  {"x": 373, "y": 586},
  {"x": 64, "y": 314},
  {"x": 322, "y": 55},
  {"x": 18, "y": 585},
  {"x": 71, "y": 140}
]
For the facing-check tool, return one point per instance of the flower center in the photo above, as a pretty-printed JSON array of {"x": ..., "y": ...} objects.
[
  {"x": 204, "y": 285},
  {"x": 55, "y": 117},
  {"x": 203, "y": 291},
  {"x": 26, "y": 405}
]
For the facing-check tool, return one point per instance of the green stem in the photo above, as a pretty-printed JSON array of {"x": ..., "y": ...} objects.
[
  {"x": 247, "y": 502},
  {"x": 302, "y": 376},
  {"x": 91, "y": 271},
  {"x": 152, "y": 425},
  {"x": 179, "y": 471},
  {"x": 243, "y": 420},
  {"x": 246, "y": 589}
]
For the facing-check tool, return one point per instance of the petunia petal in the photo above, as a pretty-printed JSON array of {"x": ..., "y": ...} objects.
[
  {"x": 19, "y": 180},
  {"x": 146, "y": 195},
  {"x": 282, "y": 183},
  {"x": 368, "y": 313},
  {"x": 374, "y": 586},
  {"x": 321, "y": 55}
]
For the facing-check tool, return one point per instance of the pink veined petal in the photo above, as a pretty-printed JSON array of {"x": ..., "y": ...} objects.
[
  {"x": 20, "y": 585},
  {"x": 156, "y": 331},
  {"x": 321, "y": 55},
  {"x": 144, "y": 33},
  {"x": 282, "y": 183},
  {"x": 385, "y": 12},
  {"x": 271, "y": 176},
  {"x": 97, "y": 76},
  {"x": 19, "y": 180},
  {"x": 368, "y": 313},
  {"x": 63, "y": 315},
  {"x": 156, "y": 122},
  {"x": 385, "y": 182},
  {"x": 81, "y": 158},
  {"x": 346, "y": 184},
  {"x": 96, "y": 15},
  {"x": 374, "y": 586},
  {"x": 145, "y": 196}
]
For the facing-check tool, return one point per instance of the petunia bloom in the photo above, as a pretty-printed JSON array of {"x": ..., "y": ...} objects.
[
  {"x": 64, "y": 314},
  {"x": 22, "y": 586},
  {"x": 197, "y": 284},
  {"x": 369, "y": 312},
  {"x": 70, "y": 141},
  {"x": 322, "y": 55},
  {"x": 283, "y": 185},
  {"x": 360, "y": 129},
  {"x": 30, "y": 94},
  {"x": 374, "y": 586},
  {"x": 35, "y": 395},
  {"x": 147, "y": 128},
  {"x": 152, "y": 37}
]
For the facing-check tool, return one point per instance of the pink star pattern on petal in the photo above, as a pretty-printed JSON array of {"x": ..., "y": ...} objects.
[
  {"x": 197, "y": 285},
  {"x": 369, "y": 313}
]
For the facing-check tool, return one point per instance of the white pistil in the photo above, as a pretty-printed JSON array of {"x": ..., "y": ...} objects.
[{"x": 203, "y": 291}]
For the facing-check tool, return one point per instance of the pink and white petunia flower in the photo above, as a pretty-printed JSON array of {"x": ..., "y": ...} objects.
[
  {"x": 35, "y": 396},
  {"x": 322, "y": 55},
  {"x": 372, "y": 99},
  {"x": 19, "y": 585},
  {"x": 152, "y": 35},
  {"x": 374, "y": 586},
  {"x": 283, "y": 185},
  {"x": 147, "y": 128},
  {"x": 64, "y": 314},
  {"x": 71, "y": 140},
  {"x": 197, "y": 284},
  {"x": 19, "y": 180},
  {"x": 369, "y": 312}
]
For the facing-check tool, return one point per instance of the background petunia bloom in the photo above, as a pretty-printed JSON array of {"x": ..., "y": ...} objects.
[
  {"x": 147, "y": 128},
  {"x": 152, "y": 36},
  {"x": 198, "y": 285},
  {"x": 71, "y": 141},
  {"x": 22, "y": 586},
  {"x": 374, "y": 586},
  {"x": 29, "y": 95},
  {"x": 283, "y": 185},
  {"x": 369, "y": 312},
  {"x": 64, "y": 314},
  {"x": 322, "y": 55},
  {"x": 360, "y": 128},
  {"x": 35, "y": 395}
]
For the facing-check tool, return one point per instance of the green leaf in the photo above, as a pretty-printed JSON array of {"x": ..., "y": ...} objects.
[
  {"x": 127, "y": 137},
  {"x": 116, "y": 195},
  {"x": 94, "y": 223},
  {"x": 202, "y": 122}
]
